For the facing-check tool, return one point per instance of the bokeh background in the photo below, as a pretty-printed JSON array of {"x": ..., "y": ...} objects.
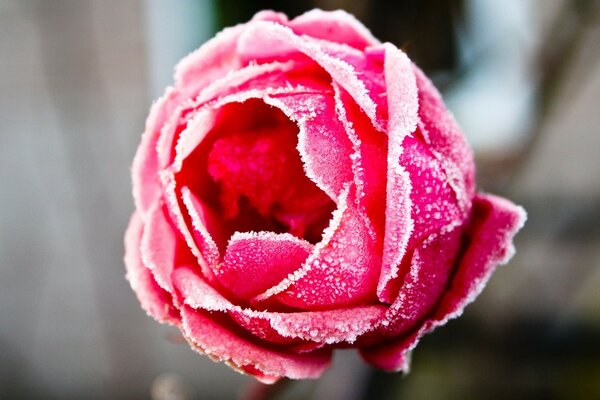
[{"x": 76, "y": 80}]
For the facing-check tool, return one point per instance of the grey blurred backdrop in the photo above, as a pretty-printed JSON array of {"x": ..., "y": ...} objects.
[{"x": 76, "y": 81}]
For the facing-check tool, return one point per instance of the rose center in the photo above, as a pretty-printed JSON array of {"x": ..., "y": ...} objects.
[{"x": 262, "y": 184}]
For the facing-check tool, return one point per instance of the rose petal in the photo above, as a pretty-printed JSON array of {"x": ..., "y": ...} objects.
[
  {"x": 343, "y": 268},
  {"x": 217, "y": 339},
  {"x": 494, "y": 223},
  {"x": 402, "y": 106},
  {"x": 154, "y": 300},
  {"x": 336, "y": 26},
  {"x": 255, "y": 261}
]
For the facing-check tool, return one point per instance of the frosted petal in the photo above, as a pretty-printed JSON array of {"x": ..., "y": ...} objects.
[
  {"x": 255, "y": 261},
  {"x": 154, "y": 300},
  {"x": 494, "y": 224},
  {"x": 343, "y": 325}
]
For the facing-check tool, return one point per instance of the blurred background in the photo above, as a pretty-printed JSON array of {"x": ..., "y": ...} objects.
[{"x": 76, "y": 81}]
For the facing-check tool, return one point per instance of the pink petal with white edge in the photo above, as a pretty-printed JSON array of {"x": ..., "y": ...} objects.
[
  {"x": 494, "y": 223},
  {"x": 336, "y": 26},
  {"x": 158, "y": 245},
  {"x": 403, "y": 107},
  {"x": 446, "y": 141},
  {"x": 155, "y": 300},
  {"x": 255, "y": 261},
  {"x": 320, "y": 327},
  {"x": 322, "y": 142},
  {"x": 343, "y": 268},
  {"x": 264, "y": 40},
  {"x": 217, "y": 340}
]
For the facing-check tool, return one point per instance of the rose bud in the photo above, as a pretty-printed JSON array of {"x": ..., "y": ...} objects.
[{"x": 302, "y": 188}]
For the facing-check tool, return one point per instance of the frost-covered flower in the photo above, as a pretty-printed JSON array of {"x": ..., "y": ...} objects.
[{"x": 302, "y": 188}]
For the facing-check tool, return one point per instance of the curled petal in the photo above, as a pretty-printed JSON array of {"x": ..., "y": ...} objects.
[{"x": 494, "y": 223}]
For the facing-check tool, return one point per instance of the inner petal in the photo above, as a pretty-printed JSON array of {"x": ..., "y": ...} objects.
[{"x": 258, "y": 175}]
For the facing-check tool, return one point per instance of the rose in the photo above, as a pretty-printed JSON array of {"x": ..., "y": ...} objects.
[{"x": 302, "y": 188}]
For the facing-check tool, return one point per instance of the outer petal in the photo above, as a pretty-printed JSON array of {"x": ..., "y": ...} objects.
[
  {"x": 217, "y": 339},
  {"x": 494, "y": 223},
  {"x": 155, "y": 300}
]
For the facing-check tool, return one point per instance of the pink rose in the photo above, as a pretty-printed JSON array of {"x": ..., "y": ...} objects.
[{"x": 302, "y": 188}]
